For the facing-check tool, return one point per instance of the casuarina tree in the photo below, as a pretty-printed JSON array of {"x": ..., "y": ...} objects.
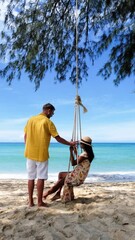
[{"x": 41, "y": 35}]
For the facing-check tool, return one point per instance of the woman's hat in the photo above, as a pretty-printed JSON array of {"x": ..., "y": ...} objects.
[{"x": 86, "y": 140}]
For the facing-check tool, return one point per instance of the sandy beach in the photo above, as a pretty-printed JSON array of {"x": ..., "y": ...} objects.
[{"x": 100, "y": 211}]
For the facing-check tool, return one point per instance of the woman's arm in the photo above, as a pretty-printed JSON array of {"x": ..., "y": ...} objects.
[
  {"x": 72, "y": 153},
  {"x": 79, "y": 159}
]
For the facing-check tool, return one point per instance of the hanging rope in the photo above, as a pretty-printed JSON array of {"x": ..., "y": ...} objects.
[
  {"x": 76, "y": 21},
  {"x": 77, "y": 118},
  {"x": 77, "y": 129},
  {"x": 79, "y": 102}
]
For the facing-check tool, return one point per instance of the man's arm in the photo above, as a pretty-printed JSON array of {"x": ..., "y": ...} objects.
[
  {"x": 64, "y": 141},
  {"x": 25, "y": 138}
]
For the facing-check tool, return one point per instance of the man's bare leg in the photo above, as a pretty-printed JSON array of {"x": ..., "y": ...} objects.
[
  {"x": 31, "y": 184},
  {"x": 40, "y": 187}
]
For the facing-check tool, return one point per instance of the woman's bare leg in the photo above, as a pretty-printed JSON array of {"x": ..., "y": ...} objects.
[{"x": 57, "y": 186}]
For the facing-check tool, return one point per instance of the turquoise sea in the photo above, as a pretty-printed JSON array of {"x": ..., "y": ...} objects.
[{"x": 113, "y": 161}]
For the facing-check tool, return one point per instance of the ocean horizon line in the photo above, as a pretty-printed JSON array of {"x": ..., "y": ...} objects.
[
  {"x": 63, "y": 144},
  {"x": 112, "y": 162}
]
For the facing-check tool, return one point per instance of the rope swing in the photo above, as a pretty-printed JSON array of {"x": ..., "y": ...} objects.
[{"x": 77, "y": 131}]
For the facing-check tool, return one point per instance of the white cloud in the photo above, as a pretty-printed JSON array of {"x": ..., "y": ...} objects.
[
  {"x": 13, "y": 122},
  {"x": 3, "y": 8},
  {"x": 120, "y": 132},
  {"x": 61, "y": 102},
  {"x": 11, "y": 136},
  {"x": 112, "y": 132},
  {"x": 11, "y": 130},
  {"x": 119, "y": 112}
]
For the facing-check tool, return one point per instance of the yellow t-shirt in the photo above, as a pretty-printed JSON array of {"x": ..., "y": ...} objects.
[{"x": 39, "y": 130}]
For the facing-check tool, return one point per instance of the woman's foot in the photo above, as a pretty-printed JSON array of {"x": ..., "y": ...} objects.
[
  {"x": 55, "y": 197},
  {"x": 45, "y": 195}
]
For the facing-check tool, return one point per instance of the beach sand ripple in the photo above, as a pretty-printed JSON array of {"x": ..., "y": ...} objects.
[{"x": 100, "y": 211}]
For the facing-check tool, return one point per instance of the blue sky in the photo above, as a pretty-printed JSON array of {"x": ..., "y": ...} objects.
[{"x": 111, "y": 109}]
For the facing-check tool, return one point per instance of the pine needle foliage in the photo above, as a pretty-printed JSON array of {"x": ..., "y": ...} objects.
[{"x": 40, "y": 36}]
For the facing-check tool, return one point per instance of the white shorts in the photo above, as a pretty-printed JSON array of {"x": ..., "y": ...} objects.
[{"x": 37, "y": 169}]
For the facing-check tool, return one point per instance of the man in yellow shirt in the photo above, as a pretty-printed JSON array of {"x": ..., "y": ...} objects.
[{"x": 38, "y": 132}]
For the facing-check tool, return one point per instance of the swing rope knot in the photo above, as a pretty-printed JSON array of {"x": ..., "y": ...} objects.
[{"x": 79, "y": 102}]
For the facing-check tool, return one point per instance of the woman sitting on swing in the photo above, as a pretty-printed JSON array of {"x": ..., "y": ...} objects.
[{"x": 75, "y": 177}]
